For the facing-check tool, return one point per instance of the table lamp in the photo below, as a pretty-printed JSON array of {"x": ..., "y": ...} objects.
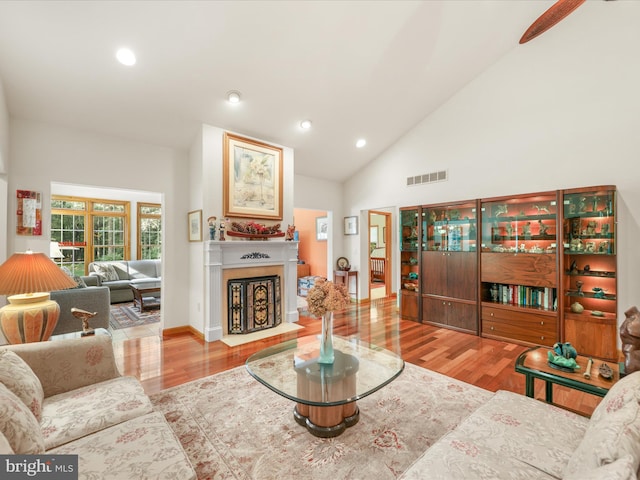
[{"x": 27, "y": 278}]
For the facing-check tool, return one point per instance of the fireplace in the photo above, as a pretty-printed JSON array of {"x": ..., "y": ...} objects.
[
  {"x": 253, "y": 304},
  {"x": 242, "y": 259}
]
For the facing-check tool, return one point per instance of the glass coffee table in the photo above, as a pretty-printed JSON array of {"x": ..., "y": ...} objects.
[{"x": 325, "y": 395}]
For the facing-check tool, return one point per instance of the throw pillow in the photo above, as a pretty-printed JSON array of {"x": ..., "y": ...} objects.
[
  {"x": 613, "y": 432},
  {"x": 18, "y": 377},
  {"x": 106, "y": 272},
  {"x": 79, "y": 281},
  {"x": 18, "y": 425}
]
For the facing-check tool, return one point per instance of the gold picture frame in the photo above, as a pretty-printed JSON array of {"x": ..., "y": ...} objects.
[
  {"x": 252, "y": 171},
  {"x": 194, "y": 222}
]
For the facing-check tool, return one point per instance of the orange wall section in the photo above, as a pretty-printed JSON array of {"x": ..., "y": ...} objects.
[{"x": 310, "y": 250}]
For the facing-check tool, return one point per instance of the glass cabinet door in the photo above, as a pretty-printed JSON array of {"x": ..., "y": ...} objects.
[
  {"x": 451, "y": 228},
  {"x": 409, "y": 238},
  {"x": 520, "y": 225}
]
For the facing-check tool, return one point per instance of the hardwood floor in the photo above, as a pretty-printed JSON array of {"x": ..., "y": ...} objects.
[{"x": 161, "y": 363}]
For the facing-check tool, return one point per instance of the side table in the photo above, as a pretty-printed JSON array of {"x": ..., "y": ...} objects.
[
  {"x": 344, "y": 277},
  {"x": 534, "y": 364},
  {"x": 64, "y": 336}
]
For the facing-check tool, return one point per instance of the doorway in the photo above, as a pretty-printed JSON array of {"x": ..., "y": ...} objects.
[{"x": 379, "y": 254}]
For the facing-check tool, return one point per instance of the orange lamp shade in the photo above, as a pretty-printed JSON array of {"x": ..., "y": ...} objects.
[{"x": 27, "y": 278}]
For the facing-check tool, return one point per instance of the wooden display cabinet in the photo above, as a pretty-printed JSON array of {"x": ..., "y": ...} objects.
[
  {"x": 589, "y": 277},
  {"x": 410, "y": 263},
  {"x": 450, "y": 266},
  {"x": 519, "y": 268}
]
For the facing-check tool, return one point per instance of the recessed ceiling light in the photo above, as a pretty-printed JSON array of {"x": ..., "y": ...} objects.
[
  {"x": 233, "y": 96},
  {"x": 126, "y": 57},
  {"x": 305, "y": 124},
  {"x": 361, "y": 143}
]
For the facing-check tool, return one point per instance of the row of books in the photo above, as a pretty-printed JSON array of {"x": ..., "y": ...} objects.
[{"x": 543, "y": 297}]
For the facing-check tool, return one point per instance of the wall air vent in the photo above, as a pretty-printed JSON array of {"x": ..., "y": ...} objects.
[{"x": 432, "y": 177}]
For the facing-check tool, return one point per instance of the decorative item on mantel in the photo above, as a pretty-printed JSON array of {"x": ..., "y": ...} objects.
[
  {"x": 212, "y": 227},
  {"x": 254, "y": 231},
  {"x": 324, "y": 298},
  {"x": 291, "y": 232}
]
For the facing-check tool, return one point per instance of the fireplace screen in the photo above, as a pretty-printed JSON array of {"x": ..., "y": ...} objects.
[{"x": 254, "y": 303}]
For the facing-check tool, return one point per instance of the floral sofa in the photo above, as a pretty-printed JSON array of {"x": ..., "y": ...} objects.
[
  {"x": 67, "y": 397},
  {"x": 516, "y": 437},
  {"x": 120, "y": 274}
]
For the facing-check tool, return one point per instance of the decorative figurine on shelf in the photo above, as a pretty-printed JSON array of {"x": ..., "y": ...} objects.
[
  {"x": 574, "y": 267},
  {"x": 576, "y": 245},
  {"x": 212, "y": 227},
  {"x": 494, "y": 293},
  {"x": 501, "y": 209},
  {"x": 541, "y": 208},
  {"x": 291, "y": 229},
  {"x": 542, "y": 228},
  {"x": 582, "y": 205},
  {"x": 576, "y": 307},
  {"x": 604, "y": 229},
  {"x": 594, "y": 204},
  {"x": 526, "y": 229},
  {"x": 509, "y": 229},
  {"x": 603, "y": 247},
  {"x": 84, "y": 316},
  {"x": 598, "y": 292},
  {"x": 630, "y": 338},
  {"x": 591, "y": 228},
  {"x": 579, "y": 284},
  {"x": 523, "y": 248},
  {"x": 587, "y": 268},
  {"x": 222, "y": 228}
]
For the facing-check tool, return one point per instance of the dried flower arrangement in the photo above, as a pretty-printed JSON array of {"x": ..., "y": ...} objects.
[
  {"x": 326, "y": 296},
  {"x": 255, "y": 228}
]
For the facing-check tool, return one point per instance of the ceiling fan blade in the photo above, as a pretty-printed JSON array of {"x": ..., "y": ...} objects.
[{"x": 548, "y": 19}]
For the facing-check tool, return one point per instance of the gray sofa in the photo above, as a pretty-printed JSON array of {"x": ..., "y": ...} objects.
[
  {"x": 92, "y": 299},
  {"x": 126, "y": 273}
]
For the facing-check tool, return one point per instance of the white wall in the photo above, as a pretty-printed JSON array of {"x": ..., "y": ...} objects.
[
  {"x": 42, "y": 154},
  {"x": 315, "y": 194},
  {"x": 559, "y": 112}
]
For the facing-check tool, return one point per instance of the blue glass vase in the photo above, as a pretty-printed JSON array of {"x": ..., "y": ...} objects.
[{"x": 326, "y": 340}]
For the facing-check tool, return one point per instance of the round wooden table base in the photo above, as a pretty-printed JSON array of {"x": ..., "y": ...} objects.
[{"x": 320, "y": 415}]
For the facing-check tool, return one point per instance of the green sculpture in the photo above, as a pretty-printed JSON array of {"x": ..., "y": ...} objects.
[{"x": 562, "y": 361}]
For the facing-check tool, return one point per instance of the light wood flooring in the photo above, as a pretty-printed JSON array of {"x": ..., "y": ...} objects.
[{"x": 161, "y": 363}]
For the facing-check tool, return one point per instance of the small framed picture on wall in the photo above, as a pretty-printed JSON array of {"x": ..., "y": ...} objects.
[
  {"x": 350, "y": 225},
  {"x": 322, "y": 228},
  {"x": 195, "y": 226}
]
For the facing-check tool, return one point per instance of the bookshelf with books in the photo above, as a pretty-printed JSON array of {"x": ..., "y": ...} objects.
[{"x": 519, "y": 268}]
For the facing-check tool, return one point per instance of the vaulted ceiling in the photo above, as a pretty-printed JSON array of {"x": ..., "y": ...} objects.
[{"x": 356, "y": 69}]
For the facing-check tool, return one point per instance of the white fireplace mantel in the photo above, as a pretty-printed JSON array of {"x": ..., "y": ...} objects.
[{"x": 235, "y": 254}]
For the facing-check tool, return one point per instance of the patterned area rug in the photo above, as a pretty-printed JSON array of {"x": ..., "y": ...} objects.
[
  {"x": 233, "y": 427},
  {"x": 125, "y": 315}
]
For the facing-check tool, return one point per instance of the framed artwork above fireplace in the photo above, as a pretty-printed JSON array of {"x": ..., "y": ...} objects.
[{"x": 252, "y": 185}]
